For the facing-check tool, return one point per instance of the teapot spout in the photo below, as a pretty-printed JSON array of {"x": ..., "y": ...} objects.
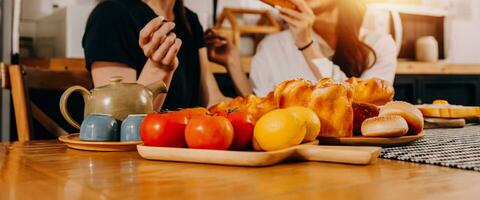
[{"x": 157, "y": 88}]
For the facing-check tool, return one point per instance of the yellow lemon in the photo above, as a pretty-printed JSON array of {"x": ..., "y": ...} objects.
[
  {"x": 311, "y": 119},
  {"x": 279, "y": 129}
]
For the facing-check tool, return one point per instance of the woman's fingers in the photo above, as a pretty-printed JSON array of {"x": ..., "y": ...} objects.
[
  {"x": 216, "y": 42},
  {"x": 212, "y": 35},
  {"x": 157, "y": 35},
  {"x": 162, "y": 50},
  {"x": 149, "y": 29},
  {"x": 157, "y": 38},
  {"x": 292, "y": 13},
  {"x": 289, "y": 20},
  {"x": 302, "y": 6},
  {"x": 172, "y": 54}
]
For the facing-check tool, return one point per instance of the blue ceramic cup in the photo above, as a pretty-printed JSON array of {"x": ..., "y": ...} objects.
[
  {"x": 99, "y": 127},
  {"x": 130, "y": 130}
]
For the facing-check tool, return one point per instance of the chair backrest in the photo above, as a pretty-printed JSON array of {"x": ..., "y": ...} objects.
[{"x": 20, "y": 102}]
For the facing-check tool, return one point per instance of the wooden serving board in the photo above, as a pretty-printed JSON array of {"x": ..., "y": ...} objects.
[
  {"x": 449, "y": 111},
  {"x": 73, "y": 141},
  {"x": 431, "y": 123},
  {"x": 372, "y": 141},
  {"x": 304, "y": 152}
]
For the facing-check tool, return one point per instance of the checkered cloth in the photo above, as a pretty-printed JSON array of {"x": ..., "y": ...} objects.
[{"x": 457, "y": 148}]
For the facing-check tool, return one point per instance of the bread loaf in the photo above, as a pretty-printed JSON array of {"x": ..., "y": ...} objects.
[
  {"x": 410, "y": 113},
  {"x": 386, "y": 126}
]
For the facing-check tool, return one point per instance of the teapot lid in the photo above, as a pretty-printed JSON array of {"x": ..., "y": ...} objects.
[{"x": 116, "y": 79}]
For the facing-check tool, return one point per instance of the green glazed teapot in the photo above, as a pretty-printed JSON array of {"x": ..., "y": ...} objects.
[{"x": 117, "y": 99}]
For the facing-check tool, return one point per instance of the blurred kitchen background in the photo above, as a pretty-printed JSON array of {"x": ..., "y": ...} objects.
[{"x": 438, "y": 50}]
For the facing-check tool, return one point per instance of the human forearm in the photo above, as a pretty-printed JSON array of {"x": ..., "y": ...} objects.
[
  {"x": 210, "y": 92},
  {"x": 238, "y": 76},
  {"x": 311, "y": 53},
  {"x": 152, "y": 73}
]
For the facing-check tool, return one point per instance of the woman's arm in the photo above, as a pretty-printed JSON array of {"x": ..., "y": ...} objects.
[
  {"x": 210, "y": 92},
  {"x": 238, "y": 76},
  {"x": 223, "y": 52},
  {"x": 161, "y": 48},
  {"x": 300, "y": 24}
]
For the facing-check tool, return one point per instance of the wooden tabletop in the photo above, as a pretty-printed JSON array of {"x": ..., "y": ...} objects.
[{"x": 49, "y": 170}]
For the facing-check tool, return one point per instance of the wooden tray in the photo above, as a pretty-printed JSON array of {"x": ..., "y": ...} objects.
[
  {"x": 449, "y": 111},
  {"x": 372, "y": 141},
  {"x": 431, "y": 123},
  {"x": 304, "y": 152},
  {"x": 73, "y": 141}
]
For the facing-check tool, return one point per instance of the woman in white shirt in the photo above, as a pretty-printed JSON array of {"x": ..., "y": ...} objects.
[{"x": 324, "y": 39}]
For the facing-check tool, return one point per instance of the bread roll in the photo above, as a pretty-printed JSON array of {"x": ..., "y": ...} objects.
[
  {"x": 410, "y": 113},
  {"x": 387, "y": 126}
]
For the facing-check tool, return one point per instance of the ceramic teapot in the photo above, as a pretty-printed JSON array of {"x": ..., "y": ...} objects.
[{"x": 117, "y": 99}]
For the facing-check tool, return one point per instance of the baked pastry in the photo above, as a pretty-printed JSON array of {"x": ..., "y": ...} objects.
[
  {"x": 386, "y": 126},
  {"x": 331, "y": 101},
  {"x": 281, "y": 3},
  {"x": 374, "y": 91},
  {"x": 333, "y": 104},
  {"x": 361, "y": 112},
  {"x": 339, "y": 106},
  {"x": 293, "y": 93},
  {"x": 410, "y": 113},
  {"x": 252, "y": 104}
]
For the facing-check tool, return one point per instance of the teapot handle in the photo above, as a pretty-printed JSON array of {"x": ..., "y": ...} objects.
[{"x": 63, "y": 103}]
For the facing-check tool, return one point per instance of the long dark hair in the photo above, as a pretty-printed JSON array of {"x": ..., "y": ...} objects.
[
  {"x": 181, "y": 16},
  {"x": 351, "y": 54}
]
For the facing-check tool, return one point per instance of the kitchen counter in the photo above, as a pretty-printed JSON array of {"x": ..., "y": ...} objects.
[
  {"x": 49, "y": 170},
  {"x": 403, "y": 67},
  {"x": 425, "y": 68}
]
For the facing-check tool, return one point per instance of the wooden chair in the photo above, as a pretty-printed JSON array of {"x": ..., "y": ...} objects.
[{"x": 13, "y": 77}]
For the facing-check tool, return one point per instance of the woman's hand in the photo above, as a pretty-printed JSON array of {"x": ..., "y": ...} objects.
[
  {"x": 300, "y": 22},
  {"x": 160, "y": 44},
  {"x": 220, "y": 50}
]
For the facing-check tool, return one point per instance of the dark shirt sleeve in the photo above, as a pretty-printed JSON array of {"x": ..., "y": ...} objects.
[
  {"x": 109, "y": 36},
  {"x": 197, "y": 31}
]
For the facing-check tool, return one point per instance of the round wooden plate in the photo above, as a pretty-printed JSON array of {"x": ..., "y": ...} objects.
[
  {"x": 73, "y": 141},
  {"x": 372, "y": 141}
]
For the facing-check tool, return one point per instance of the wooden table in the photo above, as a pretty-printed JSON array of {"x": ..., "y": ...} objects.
[{"x": 48, "y": 170}]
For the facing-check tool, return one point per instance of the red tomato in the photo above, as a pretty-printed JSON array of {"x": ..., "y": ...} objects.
[
  {"x": 165, "y": 130},
  {"x": 193, "y": 112},
  {"x": 177, "y": 116},
  {"x": 209, "y": 132},
  {"x": 243, "y": 124}
]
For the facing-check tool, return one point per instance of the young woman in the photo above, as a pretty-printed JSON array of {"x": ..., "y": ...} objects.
[
  {"x": 150, "y": 40},
  {"x": 324, "y": 39}
]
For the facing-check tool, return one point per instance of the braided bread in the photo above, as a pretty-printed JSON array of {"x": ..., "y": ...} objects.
[
  {"x": 331, "y": 101},
  {"x": 373, "y": 91}
]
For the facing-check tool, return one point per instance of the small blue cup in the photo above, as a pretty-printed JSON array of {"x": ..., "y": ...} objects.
[
  {"x": 130, "y": 130},
  {"x": 99, "y": 127}
]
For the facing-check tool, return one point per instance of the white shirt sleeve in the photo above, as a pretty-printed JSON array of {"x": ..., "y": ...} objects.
[
  {"x": 329, "y": 70},
  {"x": 260, "y": 71},
  {"x": 386, "y": 64}
]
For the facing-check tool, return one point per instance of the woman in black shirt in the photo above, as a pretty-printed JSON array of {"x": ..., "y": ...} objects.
[{"x": 150, "y": 40}]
